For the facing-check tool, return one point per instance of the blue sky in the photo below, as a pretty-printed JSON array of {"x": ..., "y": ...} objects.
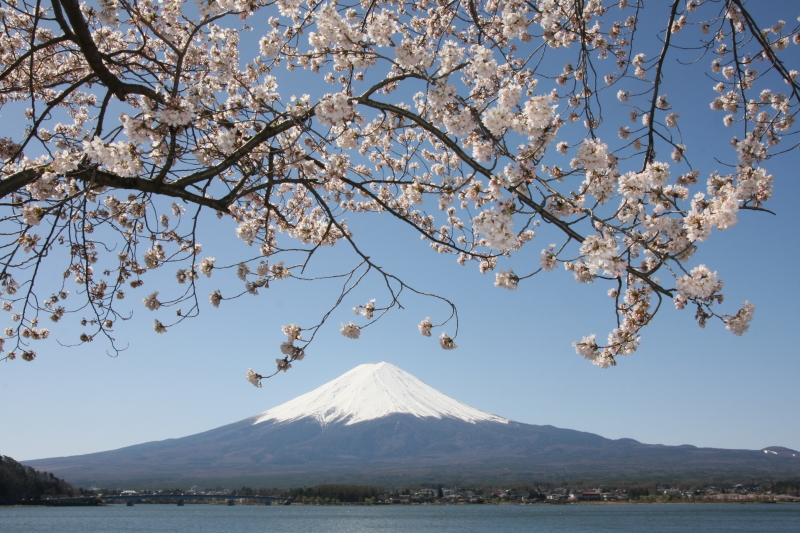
[{"x": 685, "y": 385}]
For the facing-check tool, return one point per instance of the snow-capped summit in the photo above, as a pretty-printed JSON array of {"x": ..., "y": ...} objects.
[{"x": 373, "y": 391}]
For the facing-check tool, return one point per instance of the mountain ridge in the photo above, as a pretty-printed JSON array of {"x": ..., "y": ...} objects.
[{"x": 379, "y": 424}]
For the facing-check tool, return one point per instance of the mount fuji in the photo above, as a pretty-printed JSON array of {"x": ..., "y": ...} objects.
[{"x": 379, "y": 424}]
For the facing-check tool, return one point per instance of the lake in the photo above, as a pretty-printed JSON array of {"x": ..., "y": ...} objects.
[{"x": 355, "y": 519}]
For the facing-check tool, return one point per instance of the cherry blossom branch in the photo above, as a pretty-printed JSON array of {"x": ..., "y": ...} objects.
[
  {"x": 30, "y": 52},
  {"x": 82, "y": 36},
  {"x": 650, "y": 155}
]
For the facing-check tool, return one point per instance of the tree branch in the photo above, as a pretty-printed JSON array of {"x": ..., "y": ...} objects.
[{"x": 83, "y": 38}]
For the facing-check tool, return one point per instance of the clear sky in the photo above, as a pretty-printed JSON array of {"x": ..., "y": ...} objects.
[{"x": 685, "y": 385}]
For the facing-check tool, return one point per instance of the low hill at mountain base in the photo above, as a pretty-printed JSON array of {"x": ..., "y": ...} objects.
[{"x": 19, "y": 483}]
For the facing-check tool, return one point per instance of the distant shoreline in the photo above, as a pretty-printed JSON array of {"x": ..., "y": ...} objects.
[{"x": 363, "y": 504}]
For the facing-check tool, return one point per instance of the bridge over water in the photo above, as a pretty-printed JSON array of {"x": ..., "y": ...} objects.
[{"x": 181, "y": 498}]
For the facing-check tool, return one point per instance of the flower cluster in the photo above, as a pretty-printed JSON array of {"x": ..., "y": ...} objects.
[
  {"x": 118, "y": 157},
  {"x": 177, "y": 114},
  {"x": 366, "y": 310},
  {"x": 151, "y": 302},
  {"x": 334, "y": 109},
  {"x": 496, "y": 228},
  {"x": 701, "y": 283},
  {"x": 425, "y": 327},
  {"x": 351, "y": 331},
  {"x": 253, "y": 377},
  {"x": 601, "y": 252},
  {"x": 507, "y": 280},
  {"x": 446, "y": 342},
  {"x": 740, "y": 322},
  {"x": 591, "y": 155}
]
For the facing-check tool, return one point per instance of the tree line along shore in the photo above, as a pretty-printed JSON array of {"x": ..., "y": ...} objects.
[{"x": 21, "y": 484}]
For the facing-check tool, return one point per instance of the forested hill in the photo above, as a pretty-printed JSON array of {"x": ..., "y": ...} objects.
[{"x": 18, "y": 483}]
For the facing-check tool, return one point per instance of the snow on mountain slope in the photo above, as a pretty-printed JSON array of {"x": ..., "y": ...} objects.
[{"x": 373, "y": 391}]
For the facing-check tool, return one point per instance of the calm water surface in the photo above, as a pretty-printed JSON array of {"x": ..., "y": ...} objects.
[{"x": 249, "y": 518}]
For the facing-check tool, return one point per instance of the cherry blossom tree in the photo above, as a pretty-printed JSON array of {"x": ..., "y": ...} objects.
[{"x": 475, "y": 125}]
